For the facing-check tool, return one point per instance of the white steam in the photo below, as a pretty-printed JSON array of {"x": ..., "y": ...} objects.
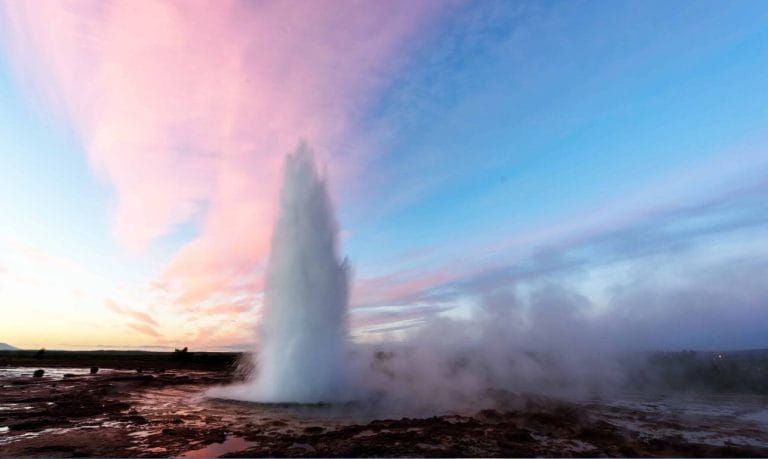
[
  {"x": 303, "y": 331},
  {"x": 532, "y": 330}
]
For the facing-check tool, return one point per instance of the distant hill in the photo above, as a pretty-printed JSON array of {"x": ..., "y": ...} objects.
[{"x": 7, "y": 347}]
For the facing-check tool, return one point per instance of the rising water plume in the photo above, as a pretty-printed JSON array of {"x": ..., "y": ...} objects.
[{"x": 303, "y": 329}]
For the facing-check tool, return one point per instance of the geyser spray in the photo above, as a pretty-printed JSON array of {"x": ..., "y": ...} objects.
[{"x": 303, "y": 331}]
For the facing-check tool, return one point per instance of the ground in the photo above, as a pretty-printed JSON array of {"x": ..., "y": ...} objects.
[{"x": 163, "y": 411}]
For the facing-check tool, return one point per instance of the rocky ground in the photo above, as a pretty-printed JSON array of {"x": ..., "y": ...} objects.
[{"x": 69, "y": 412}]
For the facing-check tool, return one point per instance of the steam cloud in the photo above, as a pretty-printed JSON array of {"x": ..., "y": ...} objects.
[
  {"x": 304, "y": 326},
  {"x": 532, "y": 330}
]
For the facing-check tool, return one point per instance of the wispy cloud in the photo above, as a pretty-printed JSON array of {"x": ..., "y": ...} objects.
[
  {"x": 145, "y": 329},
  {"x": 188, "y": 109},
  {"x": 650, "y": 280},
  {"x": 142, "y": 317}
]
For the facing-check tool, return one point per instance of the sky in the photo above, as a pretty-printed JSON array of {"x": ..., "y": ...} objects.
[{"x": 577, "y": 162}]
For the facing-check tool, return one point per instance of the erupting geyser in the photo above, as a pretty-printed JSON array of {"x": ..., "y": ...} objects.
[{"x": 303, "y": 329}]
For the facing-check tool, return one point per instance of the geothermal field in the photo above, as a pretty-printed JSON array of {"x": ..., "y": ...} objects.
[
  {"x": 168, "y": 410},
  {"x": 307, "y": 391},
  {"x": 383, "y": 228}
]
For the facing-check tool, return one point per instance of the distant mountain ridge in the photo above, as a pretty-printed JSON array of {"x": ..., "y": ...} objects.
[{"x": 7, "y": 347}]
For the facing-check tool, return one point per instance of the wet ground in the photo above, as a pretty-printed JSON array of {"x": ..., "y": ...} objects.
[{"x": 69, "y": 412}]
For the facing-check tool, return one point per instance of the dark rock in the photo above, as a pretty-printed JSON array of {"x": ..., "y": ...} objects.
[
  {"x": 520, "y": 436},
  {"x": 94, "y": 370},
  {"x": 132, "y": 378},
  {"x": 216, "y": 436},
  {"x": 38, "y": 373},
  {"x": 490, "y": 414},
  {"x": 37, "y": 423},
  {"x": 304, "y": 448},
  {"x": 137, "y": 419},
  {"x": 70, "y": 375}
]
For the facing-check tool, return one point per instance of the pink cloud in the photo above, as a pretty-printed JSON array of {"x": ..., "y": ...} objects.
[
  {"x": 187, "y": 109},
  {"x": 228, "y": 308},
  {"x": 135, "y": 315},
  {"x": 145, "y": 330},
  {"x": 400, "y": 286}
]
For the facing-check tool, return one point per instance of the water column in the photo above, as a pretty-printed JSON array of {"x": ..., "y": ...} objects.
[{"x": 301, "y": 346}]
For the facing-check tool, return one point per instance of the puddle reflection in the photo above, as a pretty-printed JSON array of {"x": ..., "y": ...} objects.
[{"x": 230, "y": 445}]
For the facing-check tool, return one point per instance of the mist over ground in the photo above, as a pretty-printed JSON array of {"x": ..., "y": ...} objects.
[
  {"x": 605, "y": 313},
  {"x": 541, "y": 336},
  {"x": 608, "y": 313}
]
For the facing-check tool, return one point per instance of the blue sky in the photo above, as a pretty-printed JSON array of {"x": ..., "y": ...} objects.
[
  {"x": 600, "y": 140},
  {"x": 546, "y": 129}
]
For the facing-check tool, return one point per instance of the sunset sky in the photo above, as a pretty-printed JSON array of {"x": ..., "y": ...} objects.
[{"x": 478, "y": 153}]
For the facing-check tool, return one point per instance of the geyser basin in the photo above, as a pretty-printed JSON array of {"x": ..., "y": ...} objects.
[{"x": 303, "y": 331}]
